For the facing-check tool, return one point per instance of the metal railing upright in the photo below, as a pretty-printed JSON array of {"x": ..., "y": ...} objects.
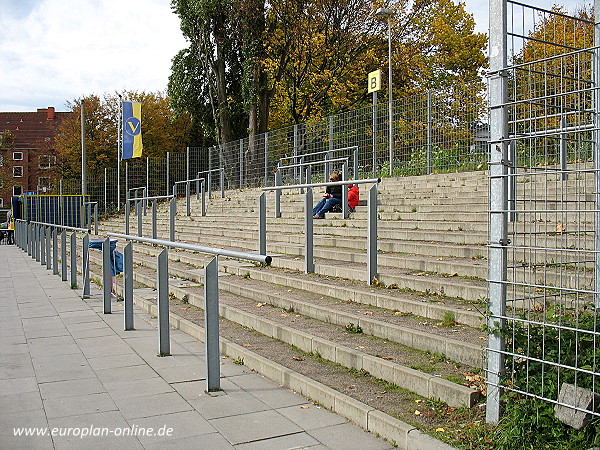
[{"x": 309, "y": 265}]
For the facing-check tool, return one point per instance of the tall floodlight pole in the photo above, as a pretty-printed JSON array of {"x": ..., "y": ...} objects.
[
  {"x": 388, "y": 13},
  {"x": 119, "y": 151},
  {"x": 83, "y": 155}
]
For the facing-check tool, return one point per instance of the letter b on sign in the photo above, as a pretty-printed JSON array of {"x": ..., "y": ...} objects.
[{"x": 374, "y": 81}]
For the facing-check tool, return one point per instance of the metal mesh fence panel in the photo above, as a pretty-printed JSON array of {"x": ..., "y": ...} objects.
[{"x": 544, "y": 209}]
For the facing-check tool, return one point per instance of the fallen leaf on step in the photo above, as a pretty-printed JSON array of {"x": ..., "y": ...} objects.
[
  {"x": 260, "y": 305},
  {"x": 246, "y": 345},
  {"x": 368, "y": 313},
  {"x": 276, "y": 293},
  {"x": 289, "y": 290},
  {"x": 560, "y": 228},
  {"x": 455, "y": 274},
  {"x": 387, "y": 357},
  {"x": 285, "y": 315},
  {"x": 420, "y": 274},
  {"x": 440, "y": 259},
  {"x": 440, "y": 430},
  {"x": 417, "y": 412},
  {"x": 304, "y": 407},
  {"x": 298, "y": 358},
  {"x": 418, "y": 401}
]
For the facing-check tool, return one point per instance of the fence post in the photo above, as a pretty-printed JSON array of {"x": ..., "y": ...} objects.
[
  {"x": 128, "y": 285},
  {"x": 105, "y": 192},
  {"x": 429, "y": 130},
  {"x": 106, "y": 275},
  {"x": 86, "y": 266},
  {"x": 63, "y": 255},
  {"x": 262, "y": 224},
  {"x": 372, "y": 235},
  {"x": 209, "y": 182},
  {"x": 309, "y": 263},
  {"x": 266, "y": 158},
  {"x": 74, "y": 260},
  {"x": 355, "y": 163},
  {"x": 211, "y": 324},
  {"x": 162, "y": 287},
  {"x": 278, "y": 182},
  {"x": 55, "y": 251},
  {"x": 154, "y": 216},
  {"x": 563, "y": 149},
  {"x": 374, "y": 133},
  {"x": 167, "y": 180},
  {"x": 498, "y": 204},
  {"x": 172, "y": 212},
  {"x": 241, "y": 163}
]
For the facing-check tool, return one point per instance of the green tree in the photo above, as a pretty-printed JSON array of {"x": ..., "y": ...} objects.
[{"x": 162, "y": 131}]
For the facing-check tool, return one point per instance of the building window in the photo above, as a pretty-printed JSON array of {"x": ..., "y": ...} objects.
[
  {"x": 17, "y": 156},
  {"x": 17, "y": 171},
  {"x": 43, "y": 184},
  {"x": 47, "y": 161},
  {"x": 17, "y": 190}
]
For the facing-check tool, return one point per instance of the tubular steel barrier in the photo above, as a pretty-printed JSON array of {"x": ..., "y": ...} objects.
[
  {"x": 138, "y": 210},
  {"x": 209, "y": 180},
  {"x": 200, "y": 191},
  {"x": 309, "y": 265},
  {"x": 211, "y": 296},
  {"x": 40, "y": 241}
]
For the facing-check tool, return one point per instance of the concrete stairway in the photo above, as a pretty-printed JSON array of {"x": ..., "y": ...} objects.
[{"x": 429, "y": 296}]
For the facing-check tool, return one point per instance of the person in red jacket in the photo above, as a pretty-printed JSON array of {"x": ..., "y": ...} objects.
[{"x": 353, "y": 196}]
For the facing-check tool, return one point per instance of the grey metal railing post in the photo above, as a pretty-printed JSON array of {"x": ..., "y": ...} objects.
[
  {"x": 162, "y": 287},
  {"x": 86, "y": 266},
  {"x": 106, "y": 275},
  {"x": 188, "y": 210},
  {"x": 63, "y": 255},
  {"x": 278, "y": 182},
  {"x": 241, "y": 163},
  {"x": 154, "y": 219},
  {"x": 127, "y": 209},
  {"x": 512, "y": 182},
  {"x": 222, "y": 182},
  {"x": 203, "y": 196},
  {"x": 372, "y": 235},
  {"x": 345, "y": 213},
  {"x": 209, "y": 182},
  {"x": 211, "y": 323},
  {"x": 262, "y": 224},
  {"x": 55, "y": 251},
  {"x": 302, "y": 174},
  {"x": 138, "y": 209},
  {"x": 308, "y": 175},
  {"x": 73, "y": 260},
  {"x": 355, "y": 162},
  {"x": 128, "y": 285},
  {"x": 266, "y": 153},
  {"x": 197, "y": 188},
  {"x": 88, "y": 213},
  {"x": 48, "y": 248},
  {"x": 309, "y": 262},
  {"x": 42, "y": 236},
  {"x": 172, "y": 212},
  {"x": 167, "y": 174},
  {"x": 96, "y": 219}
]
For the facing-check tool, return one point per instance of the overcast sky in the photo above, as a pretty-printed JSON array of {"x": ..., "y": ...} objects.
[{"x": 53, "y": 51}]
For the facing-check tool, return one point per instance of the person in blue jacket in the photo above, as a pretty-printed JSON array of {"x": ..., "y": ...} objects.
[{"x": 332, "y": 197}]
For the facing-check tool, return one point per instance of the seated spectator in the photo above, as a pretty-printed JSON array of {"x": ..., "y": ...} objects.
[
  {"x": 353, "y": 197},
  {"x": 332, "y": 197}
]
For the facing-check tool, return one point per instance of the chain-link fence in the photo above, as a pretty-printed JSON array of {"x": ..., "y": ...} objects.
[{"x": 544, "y": 181}]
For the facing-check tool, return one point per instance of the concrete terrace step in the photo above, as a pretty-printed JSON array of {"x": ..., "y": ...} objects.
[{"x": 421, "y": 383}]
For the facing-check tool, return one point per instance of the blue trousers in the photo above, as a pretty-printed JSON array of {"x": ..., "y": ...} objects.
[{"x": 325, "y": 204}]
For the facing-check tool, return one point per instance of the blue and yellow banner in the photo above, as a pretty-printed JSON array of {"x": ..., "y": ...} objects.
[{"x": 132, "y": 130}]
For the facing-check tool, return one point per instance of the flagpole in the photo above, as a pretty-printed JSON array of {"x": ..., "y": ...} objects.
[{"x": 119, "y": 152}]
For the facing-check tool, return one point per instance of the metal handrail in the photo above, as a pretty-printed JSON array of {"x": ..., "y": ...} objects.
[
  {"x": 314, "y": 163},
  {"x": 62, "y": 227},
  {"x": 330, "y": 183},
  {"x": 197, "y": 248}
]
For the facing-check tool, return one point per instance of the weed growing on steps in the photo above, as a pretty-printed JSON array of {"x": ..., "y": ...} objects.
[{"x": 354, "y": 328}]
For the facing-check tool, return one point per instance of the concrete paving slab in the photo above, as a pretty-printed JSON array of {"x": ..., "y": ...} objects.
[
  {"x": 254, "y": 426},
  {"x": 89, "y": 373},
  {"x": 78, "y": 404},
  {"x": 345, "y": 437}
]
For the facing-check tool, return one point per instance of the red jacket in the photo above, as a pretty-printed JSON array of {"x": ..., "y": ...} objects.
[{"x": 353, "y": 196}]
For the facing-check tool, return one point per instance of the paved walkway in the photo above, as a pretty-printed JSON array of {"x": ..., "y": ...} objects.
[{"x": 71, "y": 372}]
